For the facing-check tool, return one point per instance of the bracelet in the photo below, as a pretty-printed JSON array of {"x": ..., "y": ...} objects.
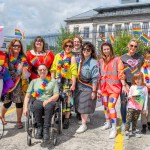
[
  {"x": 124, "y": 85},
  {"x": 94, "y": 91}
]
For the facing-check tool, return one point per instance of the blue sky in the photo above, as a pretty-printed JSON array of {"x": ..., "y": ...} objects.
[{"x": 37, "y": 17}]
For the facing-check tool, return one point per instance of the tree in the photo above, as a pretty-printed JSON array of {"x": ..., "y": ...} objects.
[
  {"x": 64, "y": 34},
  {"x": 122, "y": 39}
]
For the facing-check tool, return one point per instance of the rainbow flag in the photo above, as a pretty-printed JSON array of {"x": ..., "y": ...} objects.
[
  {"x": 137, "y": 31},
  {"x": 18, "y": 32},
  {"x": 111, "y": 40},
  {"x": 145, "y": 38},
  {"x": 104, "y": 39},
  {"x": 34, "y": 60},
  {"x": 126, "y": 69}
]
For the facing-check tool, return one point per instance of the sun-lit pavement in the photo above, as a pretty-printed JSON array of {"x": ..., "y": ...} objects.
[{"x": 93, "y": 138}]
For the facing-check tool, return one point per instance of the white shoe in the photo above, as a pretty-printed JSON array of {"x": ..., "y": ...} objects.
[
  {"x": 127, "y": 135},
  {"x": 123, "y": 125},
  {"x": 136, "y": 134},
  {"x": 106, "y": 126},
  {"x": 113, "y": 133},
  {"x": 82, "y": 128}
]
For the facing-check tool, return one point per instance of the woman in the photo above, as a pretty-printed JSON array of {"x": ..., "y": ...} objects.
[
  {"x": 132, "y": 63},
  {"x": 87, "y": 84},
  {"x": 76, "y": 51},
  {"x": 43, "y": 101},
  {"x": 64, "y": 69},
  {"x": 111, "y": 80},
  {"x": 19, "y": 72},
  {"x": 38, "y": 55}
]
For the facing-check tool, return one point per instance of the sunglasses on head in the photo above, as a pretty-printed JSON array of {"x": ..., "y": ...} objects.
[
  {"x": 70, "y": 46},
  {"x": 87, "y": 49},
  {"x": 135, "y": 46},
  {"x": 16, "y": 46}
]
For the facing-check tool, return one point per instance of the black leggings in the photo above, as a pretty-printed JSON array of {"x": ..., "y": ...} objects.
[{"x": 18, "y": 105}]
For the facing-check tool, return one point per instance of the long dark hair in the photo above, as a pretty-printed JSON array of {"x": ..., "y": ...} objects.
[
  {"x": 91, "y": 46},
  {"x": 42, "y": 40}
]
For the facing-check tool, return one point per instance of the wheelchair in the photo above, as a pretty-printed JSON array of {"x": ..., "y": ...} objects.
[{"x": 55, "y": 125}]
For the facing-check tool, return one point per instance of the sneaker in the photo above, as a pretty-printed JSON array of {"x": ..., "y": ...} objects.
[
  {"x": 106, "y": 126},
  {"x": 127, "y": 136},
  {"x": 113, "y": 133},
  {"x": 82, "y": 128},
  {"x": 123, "y": 125},
  {"x": 136, "y": 134}
]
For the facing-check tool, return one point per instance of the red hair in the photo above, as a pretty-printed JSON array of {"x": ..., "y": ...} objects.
[{"x": 138, "y": 75}]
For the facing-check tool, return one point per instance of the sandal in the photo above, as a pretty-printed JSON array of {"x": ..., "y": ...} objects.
[{"x": 19, "y": 125}]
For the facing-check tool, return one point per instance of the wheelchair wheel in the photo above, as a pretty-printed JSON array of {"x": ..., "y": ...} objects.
[
  {"x": 1, "y": 128},
  {"x": 59, "y": 114},
  {"x": 54, "y": 136},
  {"x": 29, "y": 140}
]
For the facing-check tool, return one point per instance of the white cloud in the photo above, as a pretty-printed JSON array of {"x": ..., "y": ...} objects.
[{"x": 39, "y": 16}]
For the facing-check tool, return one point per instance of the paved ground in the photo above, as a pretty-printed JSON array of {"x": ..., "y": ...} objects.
[{"x": 93, "y": 138}]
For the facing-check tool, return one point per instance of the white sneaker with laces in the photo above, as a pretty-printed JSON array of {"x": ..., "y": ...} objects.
[
  {"x": 82, "y": 128},
  {"x": 106, "y": 126},
  {"x": 113, "y": 133}
]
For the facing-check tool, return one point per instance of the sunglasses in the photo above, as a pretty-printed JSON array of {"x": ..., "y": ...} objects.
[
  {"x": 39, "y": 40},
  {"x": 42, "y": 70},
  {"x": 16, "y": 46},
  {"x": 70, "y": 46},
  {"x": 135, "y": 46},
  {"x": 87, "y": 49}
]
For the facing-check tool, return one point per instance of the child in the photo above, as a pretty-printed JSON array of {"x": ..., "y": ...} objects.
[
  {"x": 145, "y": 119},
  {"x": 138, "y": 97}
]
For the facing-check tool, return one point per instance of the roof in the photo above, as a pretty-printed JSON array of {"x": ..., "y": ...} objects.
[
  {"x": 85, "y": 15},
  {"x": 100, "y": 11}
]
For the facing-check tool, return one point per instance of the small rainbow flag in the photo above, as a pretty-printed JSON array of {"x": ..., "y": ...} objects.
[
  {"x": 111, "y": 39},
  {"x": 134, "y": 71},
  {"x": 34, "y": 60},
  {"x": 137, "y": 31},
  {"x": 145, "y": 38},
  {"x": 18, "y": 32},
  {"x": 104, "y": 39}
]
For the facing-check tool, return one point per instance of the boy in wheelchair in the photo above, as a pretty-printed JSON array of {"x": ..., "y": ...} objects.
[{"x": 45, "y": 93}]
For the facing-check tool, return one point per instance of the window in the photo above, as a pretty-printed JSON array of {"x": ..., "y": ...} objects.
[
  {"x": 76, "y": 30},
  {"x": 102, "y": 31},
  {"x": 126, "y": 26},
  {"x": 136, "y": 26},
  {"x": 86, "y": 32},
  {"x": 118, "y": 27},
  {"x": 4, "y": 45},
  {"x": 145, "y": 27}
]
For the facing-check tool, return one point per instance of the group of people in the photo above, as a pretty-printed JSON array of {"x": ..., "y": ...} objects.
[{"x": 77, "y": 72}]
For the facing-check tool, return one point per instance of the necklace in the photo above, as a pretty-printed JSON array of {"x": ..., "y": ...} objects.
[
  {"x": 145, "y": 67},
  {"x": 41, "y": 88},
  {"x": 61, "y": 71}
]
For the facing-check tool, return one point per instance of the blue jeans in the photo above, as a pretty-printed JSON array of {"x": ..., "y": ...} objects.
[{"x": 123, "y": 108}]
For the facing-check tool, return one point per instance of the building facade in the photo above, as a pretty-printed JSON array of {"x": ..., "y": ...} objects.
[{"x": 107, "y": 21}]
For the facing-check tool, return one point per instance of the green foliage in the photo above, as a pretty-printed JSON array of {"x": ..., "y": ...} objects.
[
  {"x": 30, "y": 46},
  {"x": 122, "y": 39},
  {"x": 64, "y": 34}
]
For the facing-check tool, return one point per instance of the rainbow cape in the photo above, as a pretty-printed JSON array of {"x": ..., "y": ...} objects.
[
  {"x": 137, "y": 31},
  {"x": 145, "y": 38}
]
